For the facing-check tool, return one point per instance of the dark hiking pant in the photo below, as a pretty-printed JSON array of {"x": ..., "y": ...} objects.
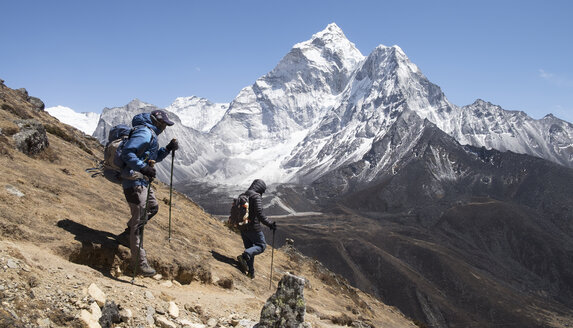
[
  {"x": 136, "y": 198},
  {"x": 255, "y": 244}
]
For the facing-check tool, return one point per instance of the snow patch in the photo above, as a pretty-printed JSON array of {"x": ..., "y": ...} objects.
[{"x": 85, "y": 122}]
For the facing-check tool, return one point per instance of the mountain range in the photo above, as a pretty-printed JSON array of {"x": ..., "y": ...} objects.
[
  {"x": 456, "y": 215},
  {"x": 325, "y": 105}
]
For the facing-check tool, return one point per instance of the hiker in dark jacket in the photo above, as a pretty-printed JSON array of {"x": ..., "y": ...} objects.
[
  {"x": 251, "y": 233},
  {"x": 138, "y": 153}
]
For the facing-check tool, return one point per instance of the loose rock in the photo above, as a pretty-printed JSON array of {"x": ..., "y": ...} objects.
[
  {"x": 96, "y": 294},
  {"x": 173, "y": 310},
  {"x": 164, "y": 322}
]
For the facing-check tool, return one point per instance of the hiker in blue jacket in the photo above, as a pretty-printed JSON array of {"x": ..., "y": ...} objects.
[
  {"x": 251, "y": 233},
  {"x": 138, "y": 153}
]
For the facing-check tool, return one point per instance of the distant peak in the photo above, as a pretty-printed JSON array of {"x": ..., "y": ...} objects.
[
  {"x": 394, "y": 50},
  {"x": 188, "y": 98},
  {"x": 136, "y": 103},
  {"x": 482, "y": 103},
  {"x": 398, "y": 50},
  {"x": 327, "y": 44},
  {"x": 192, "y": 100},
  {"x": 333, "y": 28},
  {"x": 395, "y": 54},
  {"x": 485, "y": 105},
  {"x": 330, "y": 33},
  {"x": 553, "y": 118}
]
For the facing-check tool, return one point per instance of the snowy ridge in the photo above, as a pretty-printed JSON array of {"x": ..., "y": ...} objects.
[
  {"x": 198, "y": 113},
  {"x": 488, "y": 125},
  {"x": 85, "y": 122}
]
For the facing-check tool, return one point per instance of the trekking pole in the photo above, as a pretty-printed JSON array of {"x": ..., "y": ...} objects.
[
  {"x": 171, "y": 192},
  {"x": 272, "y": 259},
  {"x": 142, "y": 222}
]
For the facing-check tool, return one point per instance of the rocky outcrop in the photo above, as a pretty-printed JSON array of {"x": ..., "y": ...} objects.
[
  {"x": 287, "y": 307},
  {"x": 37, "y": 103},
  {"x": 32, "y": 138}
]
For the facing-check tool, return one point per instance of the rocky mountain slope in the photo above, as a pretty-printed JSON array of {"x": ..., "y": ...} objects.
[
  {"x": 58, "y": 248},
  {"x": 453, "y": 235}
]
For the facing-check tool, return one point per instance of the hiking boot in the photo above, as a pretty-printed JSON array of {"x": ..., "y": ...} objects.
[
  {"x": 242, "y": 264},
  {"x": 251, "y": 274},
  {"x": 123, "y": 238},
  {"x": 146, "y": 271}
]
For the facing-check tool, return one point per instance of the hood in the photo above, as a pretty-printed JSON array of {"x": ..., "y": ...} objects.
[
  {"x": 258, "y": 186},
  {"x": 144, "y": 119}
]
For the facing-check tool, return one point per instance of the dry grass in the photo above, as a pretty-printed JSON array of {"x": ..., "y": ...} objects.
[{"x": 69, "y": 214}]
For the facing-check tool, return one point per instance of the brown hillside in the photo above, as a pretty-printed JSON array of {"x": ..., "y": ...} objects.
[{"x": 57, "y": 228}]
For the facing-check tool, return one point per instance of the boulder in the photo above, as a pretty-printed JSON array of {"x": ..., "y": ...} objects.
[
  {"x": 287, "y": 307},
  {"x": 37, "y": 103},
  {"x": 32, "y": 138}
]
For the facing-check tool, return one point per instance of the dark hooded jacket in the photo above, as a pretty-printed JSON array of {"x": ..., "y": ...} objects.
[
  {"x": 256, "y": 216},
  {"x": 140, "y": 147}
]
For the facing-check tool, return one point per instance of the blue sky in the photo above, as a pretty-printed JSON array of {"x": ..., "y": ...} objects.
[{"x": 88, "y": 55}]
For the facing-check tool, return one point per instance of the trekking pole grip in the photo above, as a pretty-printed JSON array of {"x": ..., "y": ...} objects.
[{"x": 151, "y": 163}]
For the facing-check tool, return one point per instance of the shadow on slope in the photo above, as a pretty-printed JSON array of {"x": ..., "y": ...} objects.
[{"x": 98, "y": 248}]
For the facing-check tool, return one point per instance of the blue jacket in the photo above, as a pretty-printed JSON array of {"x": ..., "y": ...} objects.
[{"x": 141, "y": 147}]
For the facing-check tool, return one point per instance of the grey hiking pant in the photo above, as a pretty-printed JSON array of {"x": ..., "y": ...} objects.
[{"x": 136, "y": 198}]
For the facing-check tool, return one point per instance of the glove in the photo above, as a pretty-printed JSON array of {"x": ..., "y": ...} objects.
[
  {"x": 273, "y": 226},
  {"x": 148, "y": 171},
  {"x": 172, "y": 145}
]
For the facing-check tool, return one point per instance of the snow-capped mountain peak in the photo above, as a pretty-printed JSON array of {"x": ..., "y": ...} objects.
[
  {"x": 328, "y": 47},
  {"x": 296, "y": 93},
  {"x": 331, "y": 31}
]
